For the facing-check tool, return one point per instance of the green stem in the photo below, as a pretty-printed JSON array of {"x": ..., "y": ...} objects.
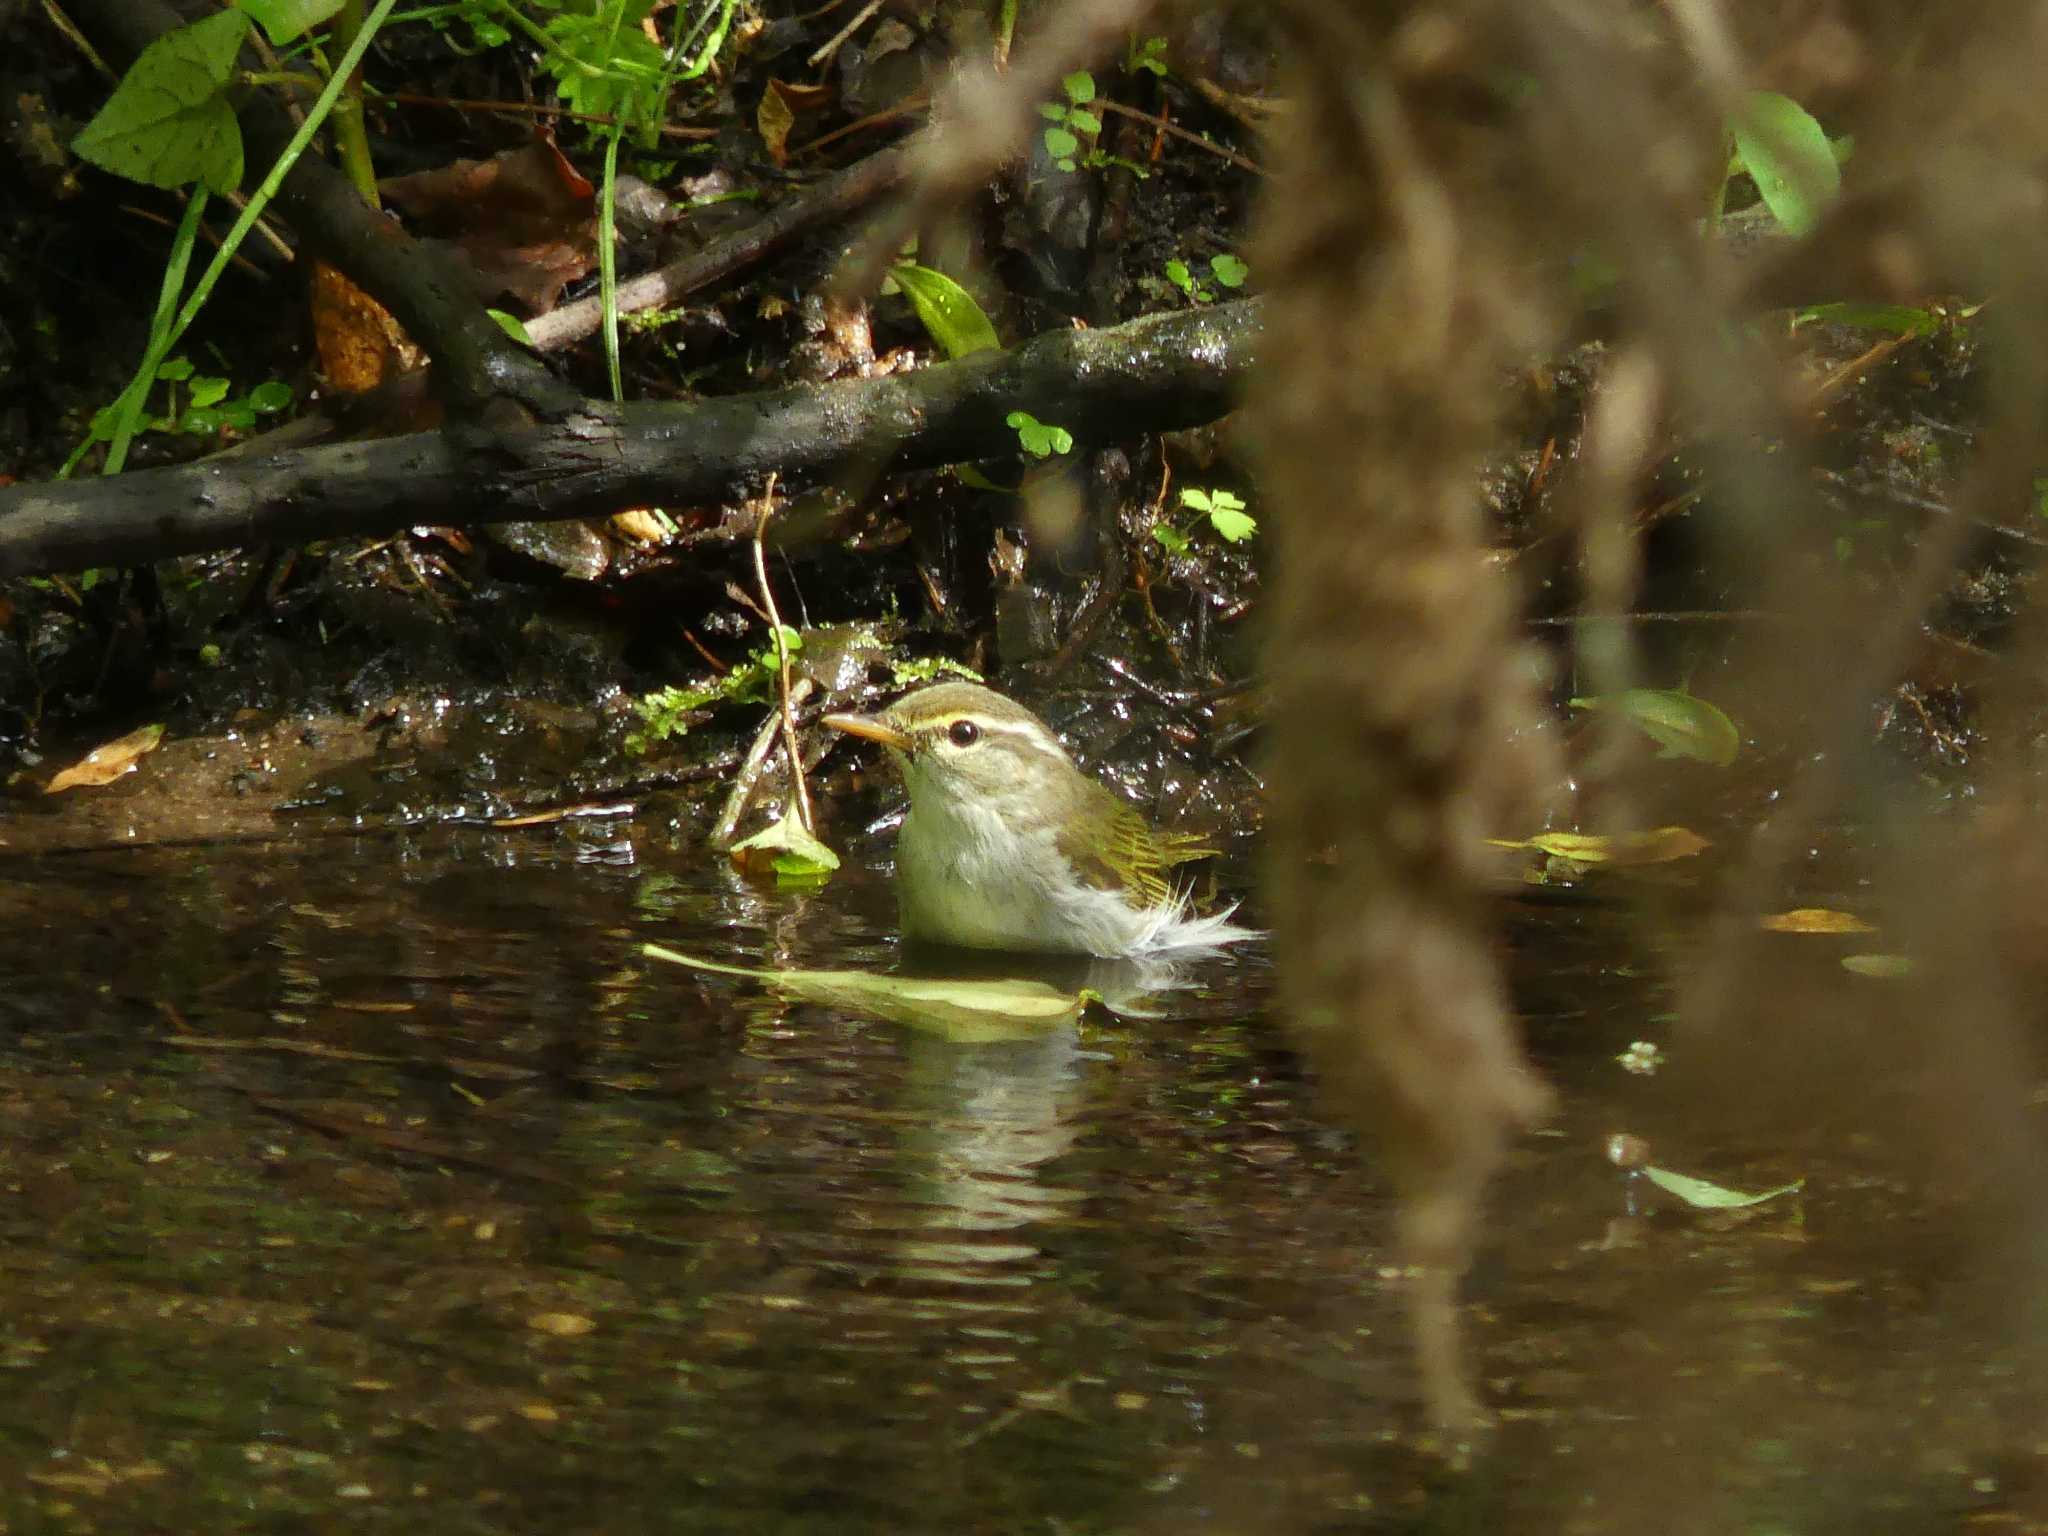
[
  {"x": 351, "y": 138},
  {"x": 128, "y": 408},
  {"x": 608, "y": 262}
]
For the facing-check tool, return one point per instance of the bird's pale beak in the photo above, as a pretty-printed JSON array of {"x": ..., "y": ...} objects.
[{"x": 870, "y": 727}]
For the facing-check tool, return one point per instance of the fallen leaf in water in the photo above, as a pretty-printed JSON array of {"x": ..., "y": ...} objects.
[
  {"x": 107, "y": 763},
  {"x": 1701, "y": 1195},
  {"x": 1684, "y": 726},
  {"x": 784, "y": 849},
  {"x": 1815, "y": 920},
  {"x": 1658, "y": 846},
  {"x": 960, "y": 1009},
  {"x": 1879, "y": 967}
]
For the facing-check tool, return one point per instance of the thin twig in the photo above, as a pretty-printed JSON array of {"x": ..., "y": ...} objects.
[
  {"x": 1162, "y": 125},
  {"x": 909, "y": 106},
  {"x": 832, "y": 45},
  {"x": 530, "y": 109},
  {"x": 789, "y": 744}
]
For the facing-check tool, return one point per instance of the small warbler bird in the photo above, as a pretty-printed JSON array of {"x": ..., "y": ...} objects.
[{"x": 1009, "y": 845}]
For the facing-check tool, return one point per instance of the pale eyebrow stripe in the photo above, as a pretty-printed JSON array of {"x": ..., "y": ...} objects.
[{"x": 1019, "y": 728}]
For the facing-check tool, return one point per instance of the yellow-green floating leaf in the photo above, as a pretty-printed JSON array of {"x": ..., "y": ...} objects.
[
  {"x": 1703, "y": 1196},
  {"x": 965, "y": 1010},
  {"x": 1658, "y": 846},
  {"x": 1679, "y": 722},
  {"x": 1814, "y": 920}
]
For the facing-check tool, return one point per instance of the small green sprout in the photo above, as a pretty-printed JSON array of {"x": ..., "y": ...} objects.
[
  {"x": 1224, "y": 510},
  {"x": 1147, "y": 54},
  {"x": 1038, "y": 438},
  {"x": 1071, "y": 121},
  {"x": 666, "y": 712},
  {"x": 1229, "y": 271}
]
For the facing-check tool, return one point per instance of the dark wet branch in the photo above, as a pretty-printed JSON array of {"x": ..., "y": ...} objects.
[
  {"x": 833, "y": 198},
  {"x": 1156, "y": 374},
  {"x": 426, "y": 286}
]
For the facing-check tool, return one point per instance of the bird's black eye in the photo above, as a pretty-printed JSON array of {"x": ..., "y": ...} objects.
[{"x": 964, "y": 733}]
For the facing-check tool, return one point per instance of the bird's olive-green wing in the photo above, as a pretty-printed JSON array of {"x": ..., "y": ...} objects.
[{"x": 1113, "y": 848}]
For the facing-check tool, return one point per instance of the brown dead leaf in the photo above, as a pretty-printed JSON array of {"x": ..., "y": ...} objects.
[
  {"x": 773, "y": 119},
  {"x": 1814, "y": 920},
  {"x": 361, "y": 345},
  {"x": 777, "y": 114},
  {"x": 526, "y": 220},
  {"x": 104, "y": 764}
]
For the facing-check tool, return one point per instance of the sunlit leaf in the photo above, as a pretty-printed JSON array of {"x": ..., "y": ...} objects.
[
  {"x": 107, "y": 763},
  {"x": 1232, "y": 524},
  {"x": 512, "y": 326},
  {"x": 285, "y": 20},
  {"x": 1901, "y": 319},
  {"x": 1815, "y": 920},
  {"x": 1788, "y": 156},
  {"x": 1879, "y": 967},
  {"x": 1701, "y": 1195},
  {"x": 947, "y": 310},
  {"x": 168, "y": 123},
  {"x": 1658, "y": 846},
  {"x": 964, "y": 1010},
  {"x": 1683, "y": 724},
  {"x": 786, "y": 850}
]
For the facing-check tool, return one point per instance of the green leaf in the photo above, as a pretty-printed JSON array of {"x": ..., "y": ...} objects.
[
  {"x": 1079, "y": 86},
  {"x": 270, "y": 396},
  {"x": 1879, "y": 967},
  {"x": 1232, "y": 525},
  {"x": 1900, "y": 319},
  {"x": 174, "y": 369},
  {"x": 1171, "y": 537},
  {"x": 1229, "y": 270},
  {"x": 1701, "y": 1195},
  {"x": 1052, "y": 112},
  {"x": 967, "y": 1011},
  {"x": 1084, "y": 122},
  {"x": 1660, "y": 845},
  {"x": 1178, "y": 274},
  {"x": 1194, "y": 496},
  {"x": 168, "y": 123},
  {"x": 1684, "y": 726},
  {"x": 1149, "y": 54},
  {"x": 794, "y": 854},
  {"x": 512, "y": 326},
  {"x": 974, "y": 479},
  {"x": 1788, "y": 156},
  {"x": 1039, "y": 438},
  {"x": 208, "y": 390},
  {"x": 1061, "y": 145},
  {"x": 285, "y": 20},
  {"x": 947, "y": 310}
]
